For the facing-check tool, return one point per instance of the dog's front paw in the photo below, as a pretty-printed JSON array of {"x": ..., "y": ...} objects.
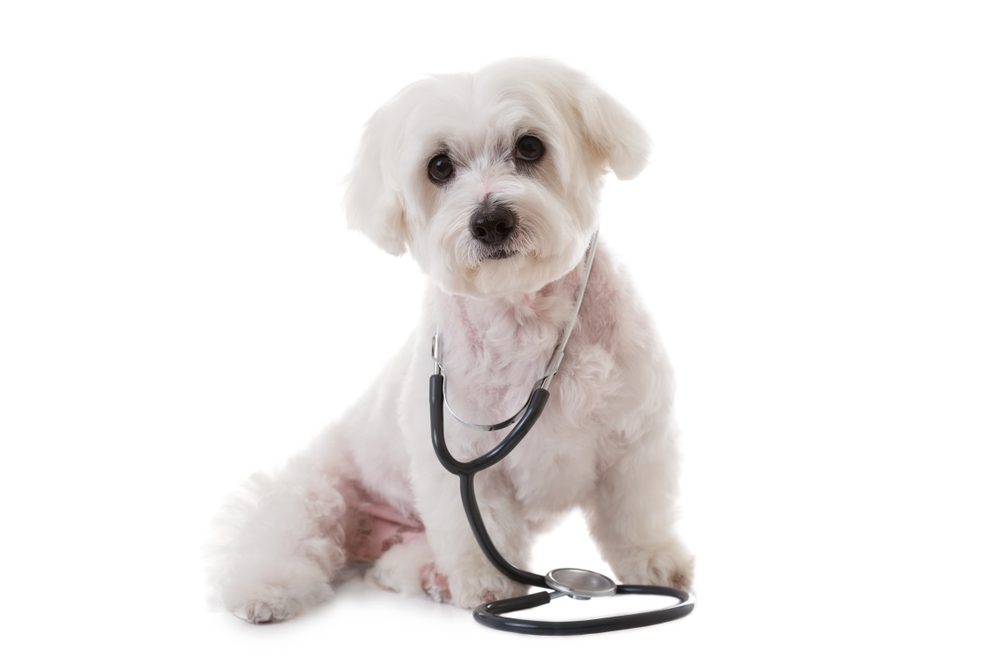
[
  {"x": 434, "y": 584},
  {"x": 471, "y": 588},
  {"x": 665, "y": 565}
]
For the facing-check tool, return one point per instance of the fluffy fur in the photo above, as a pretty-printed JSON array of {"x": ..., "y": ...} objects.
[{"x": 369, "y": 497}]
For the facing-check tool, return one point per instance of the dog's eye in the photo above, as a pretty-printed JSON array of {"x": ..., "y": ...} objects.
[
  {"x": 440, "y": 168},
  {"x": 529, "y": 148}
]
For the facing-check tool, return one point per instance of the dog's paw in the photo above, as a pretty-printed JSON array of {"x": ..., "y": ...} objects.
[
  {"x": 666, "y": 565},
  {"x": 472, "y": 588},
  {"x": 415, "y": 578},
  {"x": 434, "y": 584},
  {"x": 266, "y": 611},
  {"x": 409, "y": 568},
  {"x": 265, "y": 603},
  {"x": 272, "y": 595}
]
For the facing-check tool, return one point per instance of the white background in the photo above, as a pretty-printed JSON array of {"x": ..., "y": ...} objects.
[{"x": 816, "y": 236}]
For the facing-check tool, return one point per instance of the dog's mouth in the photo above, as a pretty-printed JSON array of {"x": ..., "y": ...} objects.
[{"x": 495, "y": 252}]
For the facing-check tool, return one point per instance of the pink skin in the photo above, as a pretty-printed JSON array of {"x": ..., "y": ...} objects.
[
  {"x": 371, "y": 528},
  {"x": 434, "y": 583}
]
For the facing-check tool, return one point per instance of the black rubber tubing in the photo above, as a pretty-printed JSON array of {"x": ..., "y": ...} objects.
[
  {"x": 531, "y": 414},
  {"x": 467, "y": 470},
  {"x": 489, "y": 614}
]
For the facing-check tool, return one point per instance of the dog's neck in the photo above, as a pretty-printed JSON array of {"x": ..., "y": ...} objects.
[
  {"x": 494, "y": 350},
  {"x": 521, "y": 326}
]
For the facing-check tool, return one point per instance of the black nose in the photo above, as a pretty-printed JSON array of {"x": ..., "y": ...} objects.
[{"x": 492, "y": 223}]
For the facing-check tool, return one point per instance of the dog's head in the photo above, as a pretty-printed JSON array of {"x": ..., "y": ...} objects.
[{"x": 491, "y": 179}]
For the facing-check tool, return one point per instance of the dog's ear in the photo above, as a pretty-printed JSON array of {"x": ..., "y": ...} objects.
[
  {"x": 373, "y": 202},
  {"x": 613, "y": 135}
]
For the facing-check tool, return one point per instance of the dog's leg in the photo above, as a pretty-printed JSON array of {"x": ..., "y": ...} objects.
[
  {"x": 280, "y": 542},
  {"x": 409, "y": 568},
  {"x": 459, "y": 564},
  {"x": 631, "y": 518}
]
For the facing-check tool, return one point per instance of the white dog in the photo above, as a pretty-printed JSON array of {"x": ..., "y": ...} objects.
[{"x": 491, "y": 181}]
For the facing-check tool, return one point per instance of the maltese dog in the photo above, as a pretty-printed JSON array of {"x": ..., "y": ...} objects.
[{"x": 491, "y": 181}]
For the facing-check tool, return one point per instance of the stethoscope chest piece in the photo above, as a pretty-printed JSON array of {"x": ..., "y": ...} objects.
[{"x": 580, "y": 584}]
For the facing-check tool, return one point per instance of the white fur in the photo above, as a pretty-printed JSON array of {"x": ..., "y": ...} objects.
[{"x": 605, "y": 443}]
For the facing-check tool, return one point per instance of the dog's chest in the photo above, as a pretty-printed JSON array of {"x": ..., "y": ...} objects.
[
  {"x": 557, "y": 463},
  {"x": 495, "y": 354}
]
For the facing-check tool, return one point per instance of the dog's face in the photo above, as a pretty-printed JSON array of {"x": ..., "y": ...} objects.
[{"x": 491, "y": 179}]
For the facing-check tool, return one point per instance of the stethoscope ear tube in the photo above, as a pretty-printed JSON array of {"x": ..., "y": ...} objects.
[{"x": 532, "y": 411}]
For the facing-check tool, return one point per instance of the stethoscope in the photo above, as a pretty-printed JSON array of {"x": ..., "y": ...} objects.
[{"x": 573, "y": 582}]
